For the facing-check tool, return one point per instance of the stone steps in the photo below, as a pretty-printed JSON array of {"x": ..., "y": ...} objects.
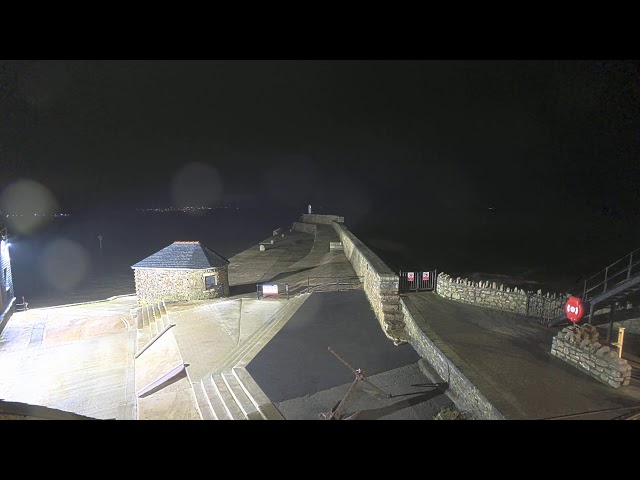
[
  {"x": 233, "y": 410},
  {"x": 242, "y": 399},
  {"x": 202, "y": 402},
  {"x": 151, "y": 320},
  {"x": 212, "y": 405},
  {"x": 233, "y": 395},
  {"x": 229, "y": 392}
]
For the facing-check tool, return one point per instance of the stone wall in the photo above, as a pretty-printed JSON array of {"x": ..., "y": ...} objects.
[
  {"x": 490, "y": 295},
  {"x": 380, "y": 283},
  {"x": 6, "y": 287},
  {"x": 625, "y": 309},
  {"x": 441, "y": 358},
  {"x": 7, "y": 301},
  {"x": 631, "y": 326},
  {"x": 323, "y": 219},
  {"x": 170, "y": 284},
  {"x": 579, "y": 346},
  {"x": 304, "y": 228}
]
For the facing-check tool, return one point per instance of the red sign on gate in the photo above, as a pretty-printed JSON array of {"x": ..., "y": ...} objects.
[
  {"x": 425, "y": 276},
  {"x": 410, "y": 276},
  {"x": 574, "y": 309}
]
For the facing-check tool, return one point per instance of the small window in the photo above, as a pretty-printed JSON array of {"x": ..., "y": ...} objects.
[{"x": 210, "y": 282}]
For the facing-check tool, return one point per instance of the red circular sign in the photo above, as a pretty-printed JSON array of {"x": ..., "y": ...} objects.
[{"x": 574, "y": 308}]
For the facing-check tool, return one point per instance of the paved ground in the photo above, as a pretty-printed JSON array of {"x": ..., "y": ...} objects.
[
  {"x": 304, "y": 379},
  {"x": 507, "y": 357},
  {"x": 299, "y": 352},
  {"x": 79, "y": 358}
]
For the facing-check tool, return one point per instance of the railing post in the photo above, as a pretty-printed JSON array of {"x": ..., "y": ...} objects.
[
  {"x": 611, "y": 314},
  {"x": 258, "y": 290},
  {"x": 630, "y": 264},
  {"x": 606, "y": 275},
  {"x": 584, "y": 292}
]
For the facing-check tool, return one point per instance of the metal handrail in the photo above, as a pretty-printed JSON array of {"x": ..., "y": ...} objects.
[
  {"x": 607, "y": 277},
  {"x": 337, "y": 282}
]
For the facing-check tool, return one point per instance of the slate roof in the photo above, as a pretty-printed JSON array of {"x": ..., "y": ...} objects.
[{"x": 184, "y": 255}]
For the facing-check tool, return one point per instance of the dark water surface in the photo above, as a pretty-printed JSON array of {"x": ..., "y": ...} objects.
[{"x": 62, "y": 262}]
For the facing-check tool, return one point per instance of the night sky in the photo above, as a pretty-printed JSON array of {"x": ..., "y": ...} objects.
[{"x": 553, "y": 141}]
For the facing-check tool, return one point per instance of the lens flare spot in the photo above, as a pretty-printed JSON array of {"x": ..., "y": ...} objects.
[
  {"x": 29, "y": 204},
  {"x": 65, "y": 264}
]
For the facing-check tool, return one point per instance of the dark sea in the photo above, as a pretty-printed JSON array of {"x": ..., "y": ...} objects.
[{"x": 61, "y": 261}]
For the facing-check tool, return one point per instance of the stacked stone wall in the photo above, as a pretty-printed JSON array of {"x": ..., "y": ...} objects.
[
  {"x": 304, "y": 228},
  {"x": 490, "y": 295},
  {"x": 323, "y": 219},
  {"x": 156, "y": 284},
  {"x": 379, "y": 282},
  {"x": 626, "y": 309},
  {"x": 631, "y": 326},
  {"x": 579, "y": 346}
]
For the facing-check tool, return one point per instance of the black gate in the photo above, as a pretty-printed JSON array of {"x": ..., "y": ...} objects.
[{"x": 414, "y": 281}]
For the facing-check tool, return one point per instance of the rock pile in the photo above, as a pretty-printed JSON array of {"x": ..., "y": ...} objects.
[{"x": 579, "y": 346}]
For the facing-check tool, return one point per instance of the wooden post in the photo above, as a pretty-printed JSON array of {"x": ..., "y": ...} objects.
[{"x": 620, "y": 341}]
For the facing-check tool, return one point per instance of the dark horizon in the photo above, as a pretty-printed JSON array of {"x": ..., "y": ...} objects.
[{"x": 539, "y": 153}]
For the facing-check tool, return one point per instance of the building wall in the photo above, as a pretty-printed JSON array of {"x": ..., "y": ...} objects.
[
  {"x": 169, "y": 284},
  {"x": 6, "y": 287}
]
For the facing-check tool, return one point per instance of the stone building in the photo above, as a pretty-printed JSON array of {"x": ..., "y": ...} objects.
[
  {"x": 181, "y": 271},
  {"x": 7, "y": 300}
]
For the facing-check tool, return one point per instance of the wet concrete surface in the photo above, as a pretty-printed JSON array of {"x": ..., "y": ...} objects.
[{"x": 297, "y": 362}]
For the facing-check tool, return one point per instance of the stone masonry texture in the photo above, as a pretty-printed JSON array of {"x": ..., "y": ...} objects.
[
  {"x": 155, "y": 285},
  {"x": 579, "y": 346}
]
